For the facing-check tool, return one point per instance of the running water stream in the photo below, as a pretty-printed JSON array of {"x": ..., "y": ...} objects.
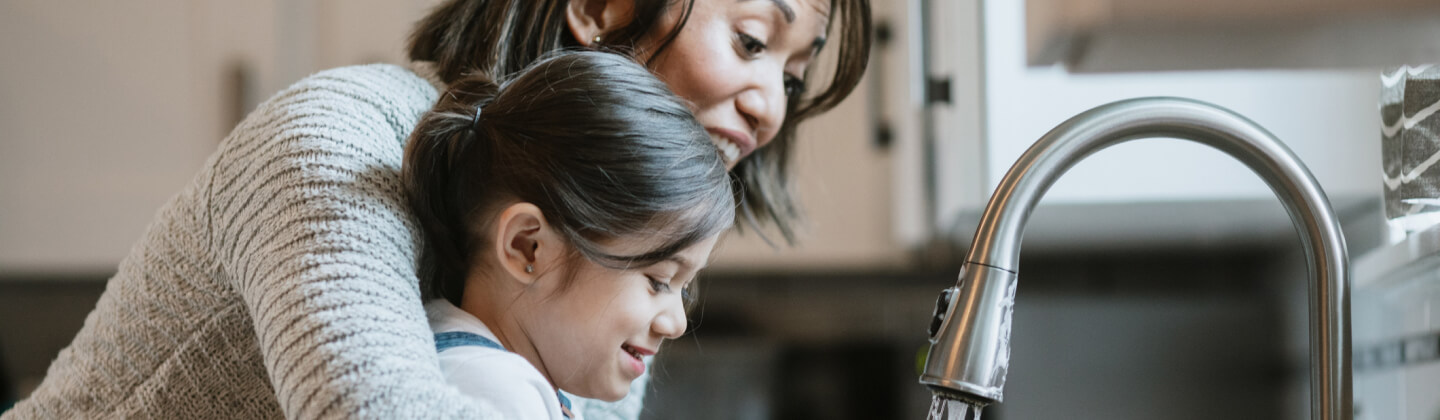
[{"x": 942, "y": 408}]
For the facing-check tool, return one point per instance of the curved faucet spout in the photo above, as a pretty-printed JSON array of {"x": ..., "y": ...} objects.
[{"x": 970, "y": 337}]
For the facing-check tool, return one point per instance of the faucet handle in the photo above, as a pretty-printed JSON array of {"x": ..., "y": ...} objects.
[{"x": 942, "y": 307}]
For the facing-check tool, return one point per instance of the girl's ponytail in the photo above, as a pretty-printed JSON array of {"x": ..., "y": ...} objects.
[{"x": 434, "y": 175}]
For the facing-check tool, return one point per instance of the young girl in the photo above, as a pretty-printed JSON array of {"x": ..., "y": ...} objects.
[{"x": 565, "y": 211}]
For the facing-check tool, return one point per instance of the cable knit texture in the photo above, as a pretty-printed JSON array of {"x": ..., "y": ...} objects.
[{"x": 281, "y": 281}]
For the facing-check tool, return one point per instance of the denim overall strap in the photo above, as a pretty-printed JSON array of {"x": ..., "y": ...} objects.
[{"x": 448, "y": 340}]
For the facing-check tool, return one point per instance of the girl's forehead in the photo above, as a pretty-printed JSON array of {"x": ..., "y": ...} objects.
[
  {"x": 633, "y": 244},
  {"x": 692, "y": 258}
]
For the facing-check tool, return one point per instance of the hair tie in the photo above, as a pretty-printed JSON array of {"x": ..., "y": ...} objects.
[{"x": 475, "y": 122}]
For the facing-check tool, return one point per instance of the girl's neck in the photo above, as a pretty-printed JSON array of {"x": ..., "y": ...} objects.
[{"x": 499, "y": 308}]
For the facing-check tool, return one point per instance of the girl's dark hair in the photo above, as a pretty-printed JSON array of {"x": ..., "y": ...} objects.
[
  {"x": 600, "y": 145},
  {"x": 500, "y": 37}
]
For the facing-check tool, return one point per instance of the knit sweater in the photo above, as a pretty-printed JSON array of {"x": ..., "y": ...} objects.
[{"x": 281, "y": 280}]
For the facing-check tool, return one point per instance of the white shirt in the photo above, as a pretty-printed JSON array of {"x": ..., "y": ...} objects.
[{"x": 502, "y": 378}]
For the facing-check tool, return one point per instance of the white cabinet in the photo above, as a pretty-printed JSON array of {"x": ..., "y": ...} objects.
[
  {"x": 1149, "y": 35},
  {"x": 1150, "y": 192},
  {"x": 1396, "y": 324}
]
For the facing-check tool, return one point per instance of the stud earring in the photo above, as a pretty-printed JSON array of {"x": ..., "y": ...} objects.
[
  {"x": 529, "y": 268},
  {"x": 596, "y": 40}
]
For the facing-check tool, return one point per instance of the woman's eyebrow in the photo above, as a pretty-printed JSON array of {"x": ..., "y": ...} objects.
[
  {"x": 785, "y": 10},
  {"x": 789, "y": 14}
]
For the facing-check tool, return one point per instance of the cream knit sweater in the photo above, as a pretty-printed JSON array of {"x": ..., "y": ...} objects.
[{"x": 280, "y": 281}]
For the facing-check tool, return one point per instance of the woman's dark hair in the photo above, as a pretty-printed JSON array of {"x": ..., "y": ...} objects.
[
  {"x": 500, "y": 37},
  {"x": 594, "y": 140}
]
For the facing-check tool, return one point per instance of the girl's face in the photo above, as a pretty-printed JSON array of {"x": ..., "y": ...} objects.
[
  {"x": 737, "y": 61},
  {"x": 590, "y": 336}
]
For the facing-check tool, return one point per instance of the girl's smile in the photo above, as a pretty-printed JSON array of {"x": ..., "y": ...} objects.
[{"x": 636, "y": 358}]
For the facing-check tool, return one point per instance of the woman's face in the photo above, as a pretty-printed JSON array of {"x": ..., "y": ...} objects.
[{"x": 737, "y": 61}]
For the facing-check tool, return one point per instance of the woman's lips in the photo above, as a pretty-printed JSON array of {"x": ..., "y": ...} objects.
[{"x": 733, "y": 144}]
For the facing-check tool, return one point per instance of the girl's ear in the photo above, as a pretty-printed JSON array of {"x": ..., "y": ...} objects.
[
  {"x": 524, "y": 243},
  {"x": 591, "y": 18}
]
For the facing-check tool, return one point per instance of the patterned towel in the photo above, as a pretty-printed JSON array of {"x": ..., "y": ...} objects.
[{"x": 1410, "y": 145}]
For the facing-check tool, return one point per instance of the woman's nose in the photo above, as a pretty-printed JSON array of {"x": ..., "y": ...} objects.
[
  {"x": 671, "y": 321},
  {"x": 763, "y": 106}
]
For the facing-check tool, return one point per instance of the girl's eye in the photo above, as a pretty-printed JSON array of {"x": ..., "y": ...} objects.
[
  {"x": 658, "y": 286},
  {"x": 752, "y": 46},
  {"x": 794, "y": 86}
]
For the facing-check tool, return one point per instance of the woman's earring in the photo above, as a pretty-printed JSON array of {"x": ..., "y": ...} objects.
[
  {"x": 596, "y": 41},
  {"x": 529, "y": 268}
]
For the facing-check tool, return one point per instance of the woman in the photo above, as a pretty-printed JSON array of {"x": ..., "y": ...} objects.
[{"x": 283, "y": 279}]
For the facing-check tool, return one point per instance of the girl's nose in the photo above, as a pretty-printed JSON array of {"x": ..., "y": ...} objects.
[{"x": 671, "y": 321}]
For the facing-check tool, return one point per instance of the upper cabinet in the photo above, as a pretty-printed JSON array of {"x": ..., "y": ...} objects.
[
  {"x": 1151, "y": 192},
  {"x": 1147, "y": 35}
]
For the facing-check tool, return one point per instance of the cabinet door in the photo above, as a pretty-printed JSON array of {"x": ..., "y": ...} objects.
[
  {"x": 1153, "y": 192},
  {"x": 1329, "y": 118}
]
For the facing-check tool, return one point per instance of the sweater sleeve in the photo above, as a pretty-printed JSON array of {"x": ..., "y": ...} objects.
[{"x": 307, "y": 218}]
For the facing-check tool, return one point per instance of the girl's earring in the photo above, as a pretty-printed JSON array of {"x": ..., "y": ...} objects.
[
  {"x": 596, "y": 41},
  {"x": 529, "y": 268}
]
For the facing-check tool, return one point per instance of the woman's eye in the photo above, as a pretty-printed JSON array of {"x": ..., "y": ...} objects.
[
  {"x": 751, "y": 45},
  {"x": 794, "y": 86}
]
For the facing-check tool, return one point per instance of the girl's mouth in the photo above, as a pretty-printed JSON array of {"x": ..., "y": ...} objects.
[
  {"x": 637, "y": 357},
  {"x": 631, "y": 350}
]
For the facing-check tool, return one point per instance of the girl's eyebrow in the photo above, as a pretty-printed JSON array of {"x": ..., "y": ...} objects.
[{"x": 685, "y": 264}]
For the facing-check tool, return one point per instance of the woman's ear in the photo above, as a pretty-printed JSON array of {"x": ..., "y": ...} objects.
[
  {"x": 524, "y": 242},
  {"x": 591, "y": 18}
]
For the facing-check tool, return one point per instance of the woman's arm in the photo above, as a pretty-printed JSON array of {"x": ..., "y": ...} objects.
[{"x": 307, "y": 218}]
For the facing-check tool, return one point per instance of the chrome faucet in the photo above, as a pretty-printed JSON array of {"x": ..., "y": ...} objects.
[{"x": 970, "y": 335}]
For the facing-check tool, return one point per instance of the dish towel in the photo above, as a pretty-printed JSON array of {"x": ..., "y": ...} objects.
[{"x": 1410, "y": 147}]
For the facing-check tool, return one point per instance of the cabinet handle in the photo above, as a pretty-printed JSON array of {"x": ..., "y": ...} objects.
[{"x": 884, "y": 134}]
